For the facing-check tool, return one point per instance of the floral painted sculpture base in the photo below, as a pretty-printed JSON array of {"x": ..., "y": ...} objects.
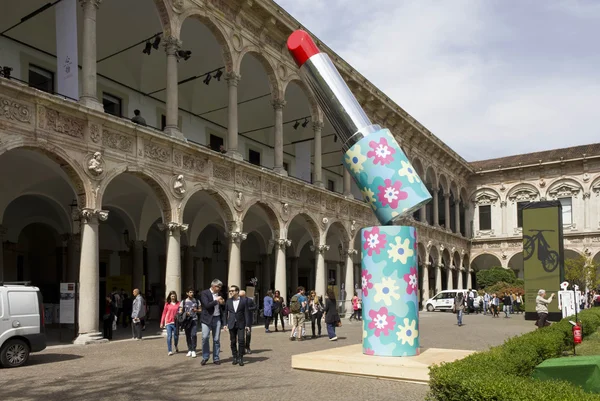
[{"x": 390, "y": 284}]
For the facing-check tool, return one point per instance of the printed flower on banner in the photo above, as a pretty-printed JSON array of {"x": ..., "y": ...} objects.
[
  {"x": 381, "y": 321},
  {"x": 355, "y": 159},
  {"x": 411, "y": 281},
  {"x": 408, "y": 333},
  {"x": 386, "y": 290},
  {"x": 375, "y": 241},
  {"x": 381, "y": 153},
  {"x": 369, "y": 351},
  {"x": 366, "y": 282},
  {"x": 400, "y": 251},
  {"x": 390, "y": 194},
  {"x": 409, "y": 172},
  {"x": 369, "y": 197}
]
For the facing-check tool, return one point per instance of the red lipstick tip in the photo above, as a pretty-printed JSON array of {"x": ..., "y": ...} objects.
[{"x": 301, "y": 46}]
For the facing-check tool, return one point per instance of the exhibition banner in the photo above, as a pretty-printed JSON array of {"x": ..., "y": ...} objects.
[{"x": 543, "y": 254}]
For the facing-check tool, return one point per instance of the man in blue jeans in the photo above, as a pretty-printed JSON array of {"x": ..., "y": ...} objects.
[{"x": 211, "y": 320}]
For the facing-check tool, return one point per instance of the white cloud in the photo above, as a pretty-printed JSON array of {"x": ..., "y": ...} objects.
[{"x": 488, "y": 79}]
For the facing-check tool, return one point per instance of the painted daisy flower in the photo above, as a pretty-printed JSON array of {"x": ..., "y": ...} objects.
[
  {"x": 386, "y": 290},
  {"x": 408, "y": 333},
  {"x": 411, "y": 280},
  {"x": 366, "y": 282},
  {"x": 409, "y": 172},
  {"x": 375, "y": 241},
  {"x": 381, "y": 321},
  {"x": 400, "y": 251},
  {"x": 355, "y": 159},
  {"x": 390, "y": 194},
  {"x": 369, "y": 197},
  {"x": 381, "y": 152}
]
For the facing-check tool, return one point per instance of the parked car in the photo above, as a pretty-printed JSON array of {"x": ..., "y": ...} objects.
[
  {"x": 21, "y": 324},
  {"x": 443, "y": 300}
]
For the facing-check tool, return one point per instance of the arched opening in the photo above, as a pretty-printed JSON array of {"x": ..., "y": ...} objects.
[
  {"x": 436, "y": 271},
  {"x": 444, "y": 192},
  {"x": 485, "y": 261},
  {"x": 304, "y": 233},
  {"x": 515, "y": 263},
  {"x": 132, "y": 248},
  {"x": 210, "y": 257},
  {"x": 416, "y": 162},
  {"x": 335, "y": 267},
  {"x": 464, "y": 224},
  {"x": 432, "y": 187},
  {"x": 258, "y": 256}
]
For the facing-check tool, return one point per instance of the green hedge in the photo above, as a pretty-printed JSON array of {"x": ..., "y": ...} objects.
[{"x": 504, "y": 372}]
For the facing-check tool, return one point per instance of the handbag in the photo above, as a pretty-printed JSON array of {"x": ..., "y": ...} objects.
[
  {"x": 453, "y": 308},
  {"x": 286, "y": 311}
]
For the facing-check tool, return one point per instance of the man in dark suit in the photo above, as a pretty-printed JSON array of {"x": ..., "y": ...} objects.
[
  {"x": 251, "y": 307},
  {"x": 239, "y": 320},
  {"x": 210, "y": 318}
]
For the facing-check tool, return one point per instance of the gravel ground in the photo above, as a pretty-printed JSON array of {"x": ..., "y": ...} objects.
[{"x": 141, "y": 370}]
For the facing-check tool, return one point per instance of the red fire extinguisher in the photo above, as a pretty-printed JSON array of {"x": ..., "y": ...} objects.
[{"x": 577, "y": 334}]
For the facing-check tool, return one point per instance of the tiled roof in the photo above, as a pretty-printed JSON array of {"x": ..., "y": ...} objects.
[{"x": 533, "y": 158}]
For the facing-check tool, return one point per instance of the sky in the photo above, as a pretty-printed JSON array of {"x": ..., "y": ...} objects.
[{"x": 489, "y": 78}]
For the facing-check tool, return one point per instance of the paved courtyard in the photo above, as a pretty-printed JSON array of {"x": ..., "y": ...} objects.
[{"x": 130, "y": 370}]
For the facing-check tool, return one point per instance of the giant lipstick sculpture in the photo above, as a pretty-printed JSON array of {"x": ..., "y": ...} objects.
[
  {"x": 391, "y": 186},
  {"x": 387, "y": 180}
]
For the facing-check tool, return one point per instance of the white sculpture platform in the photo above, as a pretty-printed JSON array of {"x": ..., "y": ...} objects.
[{"x": 351, "y": 361}]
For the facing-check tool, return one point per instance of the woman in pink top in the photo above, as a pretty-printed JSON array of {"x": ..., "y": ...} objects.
[{"x": 168, "y": 318}]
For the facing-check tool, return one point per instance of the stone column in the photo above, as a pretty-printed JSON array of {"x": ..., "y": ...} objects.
[
  {"x": 188, "y": 272},
  {"x": 89, "y": 96},
  {"x": 504, "y": 225},
  {"x": 294, "y": 272},
  {"x": 173, "y": 269},
  {"x": 280, "y": 269},
  {"x": 318, "y": 166},
  {"x": 3, "y": 231},
  {"x": 449, "y": 283},
  {"x": 172, "y": 46},
  {"x": 436, "y": 207},
  {"x": 348, "y": 185},
  {"x": 349, "y": 279},
  {"x": 320, "y": 284},
  {"x": 460, "y": 280},
  {"x": 469, "y": 279},
  {"x": 457, "y": 217},
  {"x": 425, "y": 284},
  {"x": 234, "y": 276},
  {"x": 423, "y": 215},
  {"x": 438, "y": 278},
  {"x": 233, "y": 79},
  {"x": 278, "y": 105},
  {"x": 447, "y": 210},
  {"x": 137, "y": 275},
  {"x": 89, "y": 277}
]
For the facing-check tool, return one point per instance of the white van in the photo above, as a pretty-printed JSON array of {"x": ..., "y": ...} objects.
[
  {"x": 21, "y": 324},
  {"x": 443, "y": 300}
]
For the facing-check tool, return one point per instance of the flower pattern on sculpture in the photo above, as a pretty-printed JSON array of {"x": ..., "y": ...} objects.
[
  {"x": 369, "y": 351},
  {"x": 375, "y": 241},
  {"x": 409, "y": 172},
  {"x": 381, "y": 321},
  {"x": 390, "y": 194},
  {"x": 408, "y": 333},
  {"x": 411, "y": 281},
  {"x": 400, "y": 251},
  {"x": 386, "y": 290},
  {"x": 366, "y": 282},
  {"x": 369, "y": 197},
  {"x": 381, "y": 152},
  {"x": 355, "y": 159}
]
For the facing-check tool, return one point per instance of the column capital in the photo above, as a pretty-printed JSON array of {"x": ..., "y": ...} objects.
[
  {"x": 320, "y": 248},
  {"x": 93, "y": 215},
  {"x": 173, "y": 228},
  {"x": 233, "y": 78},
  {"x": 278, "y": 104},
  {"x": 236, "y": 236},
  {"x": 280, "y": 243},
  {"x": 318, "y": 125},
  {"x": 447, "y": 195},
  {"x": 350, "y": 252},
  {"x": 95, "y": 3},
  {"x": 172, "y": 45}
]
